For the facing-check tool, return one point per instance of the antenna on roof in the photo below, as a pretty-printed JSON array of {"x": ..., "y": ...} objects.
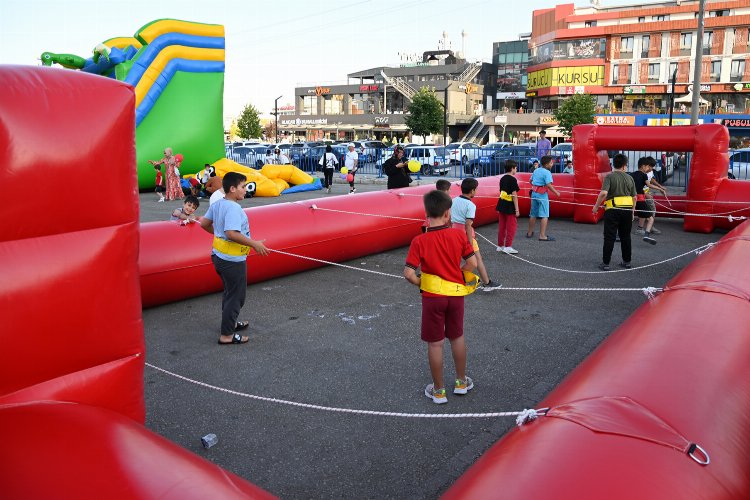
[{"x": 596, "y": 3}]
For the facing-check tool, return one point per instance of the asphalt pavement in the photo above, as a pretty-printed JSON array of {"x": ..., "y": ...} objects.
[{"x": 341, "y": 338}]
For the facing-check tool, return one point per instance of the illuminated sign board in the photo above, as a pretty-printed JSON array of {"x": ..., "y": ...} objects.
[{"x": 566, "y": 77}]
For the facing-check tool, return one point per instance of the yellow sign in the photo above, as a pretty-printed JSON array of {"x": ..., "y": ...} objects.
[
  {"x": 565, "y": 77},
  {"x": 547, "y": 120},
  {"x": 471, "y": 88}
]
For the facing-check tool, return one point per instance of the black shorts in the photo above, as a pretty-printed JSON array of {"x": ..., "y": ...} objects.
[
  {"x": 159, "y": 189},
  {"x": 642, "y": 211}
]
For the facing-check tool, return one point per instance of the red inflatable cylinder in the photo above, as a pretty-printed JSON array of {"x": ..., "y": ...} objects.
[
  {"x": 175, "y": 260},
  {"x": 683, "y": 357}
]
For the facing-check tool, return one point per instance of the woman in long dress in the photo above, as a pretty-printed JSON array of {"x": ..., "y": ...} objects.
[{"x": 171, "y": 162}]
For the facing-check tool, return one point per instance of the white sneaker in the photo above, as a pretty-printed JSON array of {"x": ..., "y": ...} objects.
[
  {"x": 501, "y": 249},
  {"x": 161, "y": 200},
  {"x": 437, "y": 397},
  {"x": 463, "y": 386},
  {"x": 510, "y": 250}
]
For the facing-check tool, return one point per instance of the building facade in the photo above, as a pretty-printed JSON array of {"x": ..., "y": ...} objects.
[
  {"x": 374, "y": 102},
  {"x": 511, "y": 61},
  {"x": 627, "y": 56}
]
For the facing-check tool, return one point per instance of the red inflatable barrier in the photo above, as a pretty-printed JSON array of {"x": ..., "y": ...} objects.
[
  {"x": 71, "y": 363},
  {"x": 621, "y": 424},
  {"x": 708, "y": 169}
]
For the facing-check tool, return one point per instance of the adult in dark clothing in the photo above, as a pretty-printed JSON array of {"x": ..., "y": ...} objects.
[
  {"x": 395, "y": 168},
  {"x": 618, "y": 196}
]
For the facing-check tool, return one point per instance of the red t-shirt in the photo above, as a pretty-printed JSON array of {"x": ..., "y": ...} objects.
[
  {"x": 439, "y": 251},
  {"x": 158, "y": 178}
]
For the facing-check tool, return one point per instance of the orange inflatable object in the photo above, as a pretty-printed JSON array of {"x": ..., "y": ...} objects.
[
  {"x": 682, "y": 359},
  {"x": 71, "y": 363}
]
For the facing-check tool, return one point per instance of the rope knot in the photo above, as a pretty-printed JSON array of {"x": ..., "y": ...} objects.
[
  {"x": 314, "y": 206},
  {"x": 650, "y": 292},
  {"x": 526, "y": 416}
]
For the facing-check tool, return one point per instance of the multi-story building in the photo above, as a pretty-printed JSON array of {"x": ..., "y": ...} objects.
[
  {"x": 511, "y": 60},
  {"x": 373, "y": 102},
  {"x": 627, "y": 56}
]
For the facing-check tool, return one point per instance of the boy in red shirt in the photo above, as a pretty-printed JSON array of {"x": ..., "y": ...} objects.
[
  {"x": 439, "y": 252},
  {"x": 159, "y": 183}
]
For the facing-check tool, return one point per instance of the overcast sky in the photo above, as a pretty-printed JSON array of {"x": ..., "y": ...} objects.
[{"x": 272, "y": 46}]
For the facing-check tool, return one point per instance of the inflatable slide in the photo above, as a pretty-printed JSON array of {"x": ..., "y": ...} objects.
[{"x": 177, "y": 70}]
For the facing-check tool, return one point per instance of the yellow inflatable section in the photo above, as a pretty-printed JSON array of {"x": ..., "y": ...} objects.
[
  {"x": 271, "y": 180},
  {"x": 288, "y": 173}
]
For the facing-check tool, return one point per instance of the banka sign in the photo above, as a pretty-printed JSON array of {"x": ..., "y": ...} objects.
[{"x": 579, "y": 76}]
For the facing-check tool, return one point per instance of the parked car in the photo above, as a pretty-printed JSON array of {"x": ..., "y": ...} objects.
[
  {"x": 461, "y": 152},
  {"x": 432, "y": 159},
  {"x": 299, "y": 150},
  {"x": 493, "y": 146},
  {"x": 494, "y": 163},
  {"x": 251, "y": 156},
  {"x": 739, "y": 164}
]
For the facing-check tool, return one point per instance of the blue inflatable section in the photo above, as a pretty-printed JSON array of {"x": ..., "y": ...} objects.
[
  {"x": 153, "y": 49},
  {"x": 300, "y": 188}
]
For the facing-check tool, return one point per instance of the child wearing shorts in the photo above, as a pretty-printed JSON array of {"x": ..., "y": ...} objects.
[{"x": 438, "y": 253}]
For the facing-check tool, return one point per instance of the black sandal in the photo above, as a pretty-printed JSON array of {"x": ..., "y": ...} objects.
[{"x": 236, "y": 339}]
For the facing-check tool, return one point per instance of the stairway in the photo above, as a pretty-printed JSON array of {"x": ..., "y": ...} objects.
[
  {"x": 476, "y": 129},
  {"x": 471, "y": 71},
  {"x": 400, "y": 85}
]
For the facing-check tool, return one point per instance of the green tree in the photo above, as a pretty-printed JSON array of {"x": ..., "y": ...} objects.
[
  {"x": 575, "y": 110},
  {"x": 425, "y": 113},
  {"x": 248, "y": 125}
]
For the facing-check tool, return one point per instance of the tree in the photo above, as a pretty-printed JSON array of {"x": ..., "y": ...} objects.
[
  {"x": 248, "y": 125},
  {"x": 233, "y": 130},
  {"x": 575, "y": 110},
  {"x": 270, "y": 131},
  {"x": 425, "y": 113}
]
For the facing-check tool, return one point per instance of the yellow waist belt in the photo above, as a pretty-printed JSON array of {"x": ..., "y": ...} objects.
[
  {"x": 619, "y": 202},
  {"x": 505, "y": 196},
  {"x": 230, "y": 247},
  {"x": 439, "y": 286}
]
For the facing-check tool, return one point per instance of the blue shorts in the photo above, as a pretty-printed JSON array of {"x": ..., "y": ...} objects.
[{"x": 539, "y": 208}]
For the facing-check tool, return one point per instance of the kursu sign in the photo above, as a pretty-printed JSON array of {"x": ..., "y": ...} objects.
[{"x": 563, "y": 77}]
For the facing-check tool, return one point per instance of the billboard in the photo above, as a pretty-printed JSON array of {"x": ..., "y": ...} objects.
[
  {"x": 566, "y": 50},
  {"x": 578, "y": 76}
]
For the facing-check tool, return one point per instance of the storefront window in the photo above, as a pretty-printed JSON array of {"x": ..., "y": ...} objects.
[
  {"x": 309, "y": 105},
  {"x": 738, "y": 70}
]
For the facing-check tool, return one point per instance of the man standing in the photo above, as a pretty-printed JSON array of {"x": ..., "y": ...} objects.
[
  {"x": 541, "y": 184},
  {"x": 395, "y": 168},
  {"x": 618, "y": 194},
  {"x": 543, "y": 146},
  {"x": 350, "y": 162}
]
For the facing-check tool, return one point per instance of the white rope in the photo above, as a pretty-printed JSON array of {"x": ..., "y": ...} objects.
[
  {"x": 331, "y": 263},
  {"x": 349, "y": 410},
  {"x": 315, "y": 207},
  {"x": 697, "y": 251}
]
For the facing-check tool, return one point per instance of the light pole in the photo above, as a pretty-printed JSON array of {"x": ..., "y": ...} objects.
[
  {"x": 276, "y": 115},
  {"x": 698, "y": 66}
]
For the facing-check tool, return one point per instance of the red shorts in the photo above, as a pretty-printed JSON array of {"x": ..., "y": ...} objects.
[{"x": 442, "y": 317}]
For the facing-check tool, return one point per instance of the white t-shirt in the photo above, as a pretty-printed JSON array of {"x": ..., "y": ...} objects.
[
  {"x": 330, "y": 162},
  {"x": 349, "y": 161},
  {"x": 216, "y": 196},
  {"x": 282, "y": 159}
]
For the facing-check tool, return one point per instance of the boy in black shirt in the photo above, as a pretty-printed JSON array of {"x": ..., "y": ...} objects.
[
  {"x": 507, "y": 208},
  {"x": 640, "y": 177}
]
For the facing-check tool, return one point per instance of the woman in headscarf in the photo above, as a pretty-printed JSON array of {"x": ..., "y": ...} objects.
[{"x": 171, "y": 162}]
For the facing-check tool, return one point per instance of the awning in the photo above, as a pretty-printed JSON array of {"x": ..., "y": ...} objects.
[{"x": 688, "y": 99}]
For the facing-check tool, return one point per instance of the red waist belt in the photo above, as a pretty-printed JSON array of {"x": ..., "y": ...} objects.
[
  {"x": 539, "y": 189},
  {"x": 640, "y": 197}
]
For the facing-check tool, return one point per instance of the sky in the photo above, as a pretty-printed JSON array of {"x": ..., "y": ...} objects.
[{"x": 271, "y": 46}]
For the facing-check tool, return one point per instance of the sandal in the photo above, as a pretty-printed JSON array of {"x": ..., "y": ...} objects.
[
  {"x": 236, "y": 339},
  {"x": 241, "y": 325},
  {"x": 548, "y": 238},
  {"x": 530, "y": 235}
]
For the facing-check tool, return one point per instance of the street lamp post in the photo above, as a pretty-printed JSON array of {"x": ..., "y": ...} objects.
[
  {"x": 698, "y": 66},
  {"x": 671, "y": 96},
  {"x": 276, "y": 115}
]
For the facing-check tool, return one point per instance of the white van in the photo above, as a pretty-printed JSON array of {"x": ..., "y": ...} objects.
[{"x": 432, "y": 159}]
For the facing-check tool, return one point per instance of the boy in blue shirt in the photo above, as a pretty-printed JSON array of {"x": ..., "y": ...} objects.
[
  {"x": 541, "y": 183},
  {"x": 228, "y": 223},
  {"x": 463, "y": 212}
]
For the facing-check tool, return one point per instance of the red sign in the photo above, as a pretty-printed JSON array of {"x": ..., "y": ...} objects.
[
  {"x": 322, "y": 90},
  {"x": 728, "y": 122},
  {"x": 368, "y": 88}
]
